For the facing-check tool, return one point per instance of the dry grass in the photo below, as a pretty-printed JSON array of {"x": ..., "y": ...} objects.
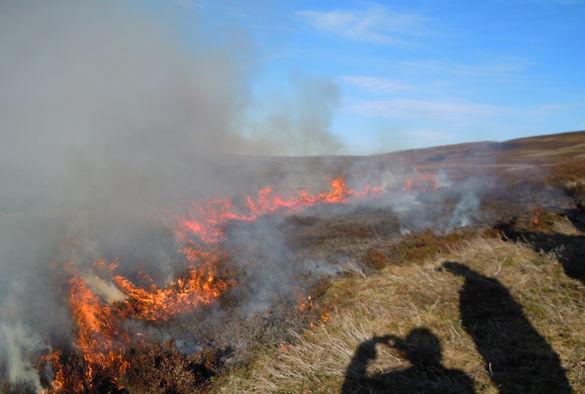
[
  {"x": 421, "y": 246},
  {"x": 401, "y": 298},
  {"x": 562, "y": 225},
  {"x": 570, "y": 176}
]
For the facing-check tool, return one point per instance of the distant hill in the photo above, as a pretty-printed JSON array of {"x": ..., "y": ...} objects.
[{"x": 498, "y": 305}]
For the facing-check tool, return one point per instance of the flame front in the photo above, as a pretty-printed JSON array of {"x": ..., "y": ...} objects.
[
  {"x": 422, "y": 182},
  {"x": 179, "y": 296},
  {"x": 100, "y": 335},
  {"x": 99, "y": 339},
  {"x": 206, "y": 219}
]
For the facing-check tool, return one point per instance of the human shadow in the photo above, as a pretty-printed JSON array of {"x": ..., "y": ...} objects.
[
  {"x": 517, "y": 357},
  {"x": 425, "y": 375},
  {"x": 569, "y": 249},
  {"x": 577, "y": 216}
]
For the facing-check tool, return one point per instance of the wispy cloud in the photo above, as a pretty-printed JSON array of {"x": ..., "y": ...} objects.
[
  {"x": 418, "y": 108},
  {"x": 410, "y": 107},
  {"x": 504, "y": 68},
  {"x": 546, "y": 109},
  {"x": 375, "y": 84},
  {"x": 554, "y": 2},
  {"x": 375, "y": 24}
]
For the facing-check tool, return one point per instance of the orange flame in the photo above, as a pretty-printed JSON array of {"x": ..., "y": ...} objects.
[
  {"x": 178, "y": 296},
  {"x": 537, "y": 215},
  {"x": 53, "y": 359},
  {"x": 422, "y": 182},
  {"x": 207, "y": 218},
  {"x": 305, "y": 304},
  {"x": 100, "y": 335},
  {"x": 99, "y": 339}
]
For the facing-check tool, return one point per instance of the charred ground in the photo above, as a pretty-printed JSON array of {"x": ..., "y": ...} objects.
[
  {"x": 354, "y": 271},
  {"x": 512, "y": 325}
]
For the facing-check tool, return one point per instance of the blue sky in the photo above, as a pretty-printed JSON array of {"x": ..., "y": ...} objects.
[{"x": 419, "y": 73}]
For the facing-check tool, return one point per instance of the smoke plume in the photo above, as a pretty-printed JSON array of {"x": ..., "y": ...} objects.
[{"x": 107, "y": 116}]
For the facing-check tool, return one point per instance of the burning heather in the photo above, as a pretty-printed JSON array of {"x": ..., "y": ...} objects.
[
  {"x": 154, "y": 234},
  {"x": 119, "y": 310},
  {"x": 101, "y": 301}
]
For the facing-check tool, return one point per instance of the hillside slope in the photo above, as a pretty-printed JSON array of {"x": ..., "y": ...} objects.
[
  {"x": 494, "y": 307},
  {"x": 449, "y": 269},
  {"x": 535, "y": 329}
]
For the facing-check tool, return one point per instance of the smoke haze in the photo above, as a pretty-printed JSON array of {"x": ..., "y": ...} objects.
[{"x": 106, "y": 116}]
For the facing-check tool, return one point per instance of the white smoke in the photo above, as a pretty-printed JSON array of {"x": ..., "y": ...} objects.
[
  {"x": 465, "y": 211},
  {"x": 19, "y": 345},
  {"x": 107, "y": 116}
]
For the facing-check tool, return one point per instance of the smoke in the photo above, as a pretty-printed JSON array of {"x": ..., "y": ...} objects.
[
  {"x": 17, "y": 345},
  {"x": 103, "y": 110},
  {"x": 300, "y": 124},
  {"x": 464, "y": 212},
  {"x": 99, "y": 101},
  {"x": 107, "y": 116}
]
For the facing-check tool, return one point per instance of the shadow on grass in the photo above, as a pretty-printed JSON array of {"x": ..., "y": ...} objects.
[
  {"x": 517, "y": 357},
  {"x": 570, "y": 249},
  {"x": 425, "y": 375},
  {"x": 577, "y": 216}
]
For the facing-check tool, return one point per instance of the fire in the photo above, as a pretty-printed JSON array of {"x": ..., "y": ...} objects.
[
  {"x": 422, "y": 182},
  {"x": 101, "y": 336},
  {"x": 207, "y": 218},
  {"x": 285, "y": 347},
  {"x": 305, "y": 304},
  {"x": 58, "y": 383},
  {"x": 537, "y": 214},
  {"x": 180, "y": 295},
  {"x": 99, "y": 339},
  {"x": 308, "y": 304}
]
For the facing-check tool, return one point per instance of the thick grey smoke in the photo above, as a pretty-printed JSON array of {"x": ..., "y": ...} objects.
[
  {"x": 97, "y": 99},
  {"x": 100, "y": 106},
  {"x": 300, "y": 125},
  {"x": 103, "y": 113},
  {"x": 106, "y": 116}
]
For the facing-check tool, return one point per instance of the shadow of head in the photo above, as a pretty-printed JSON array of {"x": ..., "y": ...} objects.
[
  {"x": 420, "y": 347},
  {"x": 456, "y": 268}
]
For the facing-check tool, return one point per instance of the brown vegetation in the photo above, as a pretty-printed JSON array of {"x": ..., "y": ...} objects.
[
  {"x": 402, "y": 298},
  {"x": 393, "y": 294}
]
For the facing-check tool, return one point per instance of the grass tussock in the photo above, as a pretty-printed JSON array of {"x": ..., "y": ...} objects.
[
  {"x": 570, "y": 176},
  {"x": 402, "y": 299},
  {"x": 425, "y": 245}
]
